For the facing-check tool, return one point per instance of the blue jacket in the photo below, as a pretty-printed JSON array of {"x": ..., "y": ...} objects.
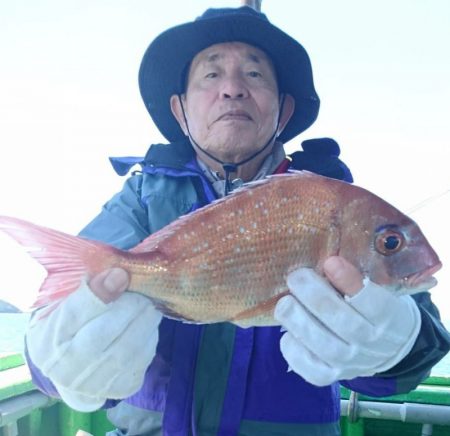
[{"x": 220, "y": 379}]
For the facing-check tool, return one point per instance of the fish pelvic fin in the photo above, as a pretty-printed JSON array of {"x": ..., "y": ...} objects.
[
  {"x": 68, "y": 259},
  {"x": 258, "y": 315},
  {"x": 170, "y": 312}
]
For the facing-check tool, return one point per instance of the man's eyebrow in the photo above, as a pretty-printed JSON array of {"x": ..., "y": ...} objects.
[
  {"x": 254, "y": 58},
  {"x": 213, "y": 57}
]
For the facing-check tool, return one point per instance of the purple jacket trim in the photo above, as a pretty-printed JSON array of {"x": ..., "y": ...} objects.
[
  {"x": 191, "y": 169},
  {"x": 273, "y": 392},
  {"x": 178, "y": 412},
  {"x": 39, "y": 380},
  {"x": 376, "y": 387},
  {"x": 233, "y": 404},
  {"x": 122, "y": 165}
]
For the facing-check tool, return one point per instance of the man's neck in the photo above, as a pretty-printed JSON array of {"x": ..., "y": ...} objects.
[
  {"x": 268, "y": 166},
  {"x": 246, "y": 171}
]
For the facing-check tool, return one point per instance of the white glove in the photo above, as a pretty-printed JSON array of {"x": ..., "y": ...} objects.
[
  {"x": 331, "y": 338},
  {"x": 91, "y": 350}
]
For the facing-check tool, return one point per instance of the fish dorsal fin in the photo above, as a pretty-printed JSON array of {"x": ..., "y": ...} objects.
[
  {"x": 160, "y": 240},
  {"x": 152, "y": 243}
]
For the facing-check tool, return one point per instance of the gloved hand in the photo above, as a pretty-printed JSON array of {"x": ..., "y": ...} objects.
[
  {"x": 330, "y": 337},
  {"x": 92, "y": 349}
]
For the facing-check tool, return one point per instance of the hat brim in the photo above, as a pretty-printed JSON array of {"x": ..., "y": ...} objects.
[{"x": 169, "y": 55}]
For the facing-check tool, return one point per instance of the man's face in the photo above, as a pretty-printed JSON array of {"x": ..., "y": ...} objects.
[{"x": 231, "y": 102}]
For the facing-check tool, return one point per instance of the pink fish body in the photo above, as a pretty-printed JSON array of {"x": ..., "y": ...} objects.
[{"x": 229, "y": 260}]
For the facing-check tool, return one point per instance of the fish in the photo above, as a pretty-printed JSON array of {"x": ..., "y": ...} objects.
[{"x": 228, "y": 261}]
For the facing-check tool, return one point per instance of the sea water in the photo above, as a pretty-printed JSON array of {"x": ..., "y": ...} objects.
[{"x": 12, "y": 331}]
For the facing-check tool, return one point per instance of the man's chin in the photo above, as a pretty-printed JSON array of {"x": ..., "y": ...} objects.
[{"x": 232, "y": 148}]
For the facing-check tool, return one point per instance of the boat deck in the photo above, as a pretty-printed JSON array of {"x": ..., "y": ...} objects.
[{"x": 25, "y": 411}]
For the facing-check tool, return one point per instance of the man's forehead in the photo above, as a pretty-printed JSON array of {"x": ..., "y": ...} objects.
[{"x": 217, "y": 52}]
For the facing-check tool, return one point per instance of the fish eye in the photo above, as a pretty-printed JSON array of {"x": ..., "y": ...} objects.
[{"x": 389, "y": 242}]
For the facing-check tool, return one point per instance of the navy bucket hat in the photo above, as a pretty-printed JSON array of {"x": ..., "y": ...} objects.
[{"x": 167, "y": 59}]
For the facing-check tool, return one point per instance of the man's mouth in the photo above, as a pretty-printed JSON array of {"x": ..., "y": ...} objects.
[{"x": 235, "y": 115}]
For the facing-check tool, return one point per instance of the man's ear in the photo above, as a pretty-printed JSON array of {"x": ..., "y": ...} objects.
[
  {"x": 287, "y": 109},
  {"x": 177, "y": 111}
]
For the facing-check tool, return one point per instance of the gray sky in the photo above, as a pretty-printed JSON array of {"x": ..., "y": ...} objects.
[{"x": 69, "y": 99}]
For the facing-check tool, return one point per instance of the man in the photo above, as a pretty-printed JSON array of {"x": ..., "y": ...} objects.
[{"x": 226, "y": 90}]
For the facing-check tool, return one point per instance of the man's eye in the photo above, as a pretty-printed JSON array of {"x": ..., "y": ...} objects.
[
  {"x": 211, "y": 75},
  {"x": 254, "y": 74}
]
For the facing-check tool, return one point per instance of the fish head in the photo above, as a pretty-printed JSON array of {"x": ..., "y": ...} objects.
[{"x": 387, "y": 246}]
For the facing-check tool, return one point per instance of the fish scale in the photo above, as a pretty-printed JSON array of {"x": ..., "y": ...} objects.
[{"x": 253, "y": 232}]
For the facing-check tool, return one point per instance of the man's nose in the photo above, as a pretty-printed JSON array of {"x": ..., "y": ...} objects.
[{"x": 234, "y": 88}]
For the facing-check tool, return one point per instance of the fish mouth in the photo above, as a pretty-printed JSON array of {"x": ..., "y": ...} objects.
[
  {"x": 235, "y": 115},
  {"x": 422, "y": 280}
]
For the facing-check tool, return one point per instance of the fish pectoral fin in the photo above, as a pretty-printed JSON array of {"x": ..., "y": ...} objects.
[{"x": 264, "y": 309}]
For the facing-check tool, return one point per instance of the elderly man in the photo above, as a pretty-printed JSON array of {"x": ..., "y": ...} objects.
[{"x": 226, "y": 90}]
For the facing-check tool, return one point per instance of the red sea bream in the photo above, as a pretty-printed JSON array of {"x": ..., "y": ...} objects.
[{"x": 229, "y": 260}]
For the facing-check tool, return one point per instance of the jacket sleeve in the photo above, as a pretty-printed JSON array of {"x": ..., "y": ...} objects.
[
  {"x": 432, "y": 344},
  {"x": 123, "y": 220}
]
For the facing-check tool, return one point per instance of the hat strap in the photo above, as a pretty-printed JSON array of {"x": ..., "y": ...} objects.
[{"x": 231, "y": 167}]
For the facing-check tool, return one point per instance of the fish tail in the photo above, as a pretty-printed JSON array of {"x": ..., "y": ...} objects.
[{"x": 67, "y": 259}]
